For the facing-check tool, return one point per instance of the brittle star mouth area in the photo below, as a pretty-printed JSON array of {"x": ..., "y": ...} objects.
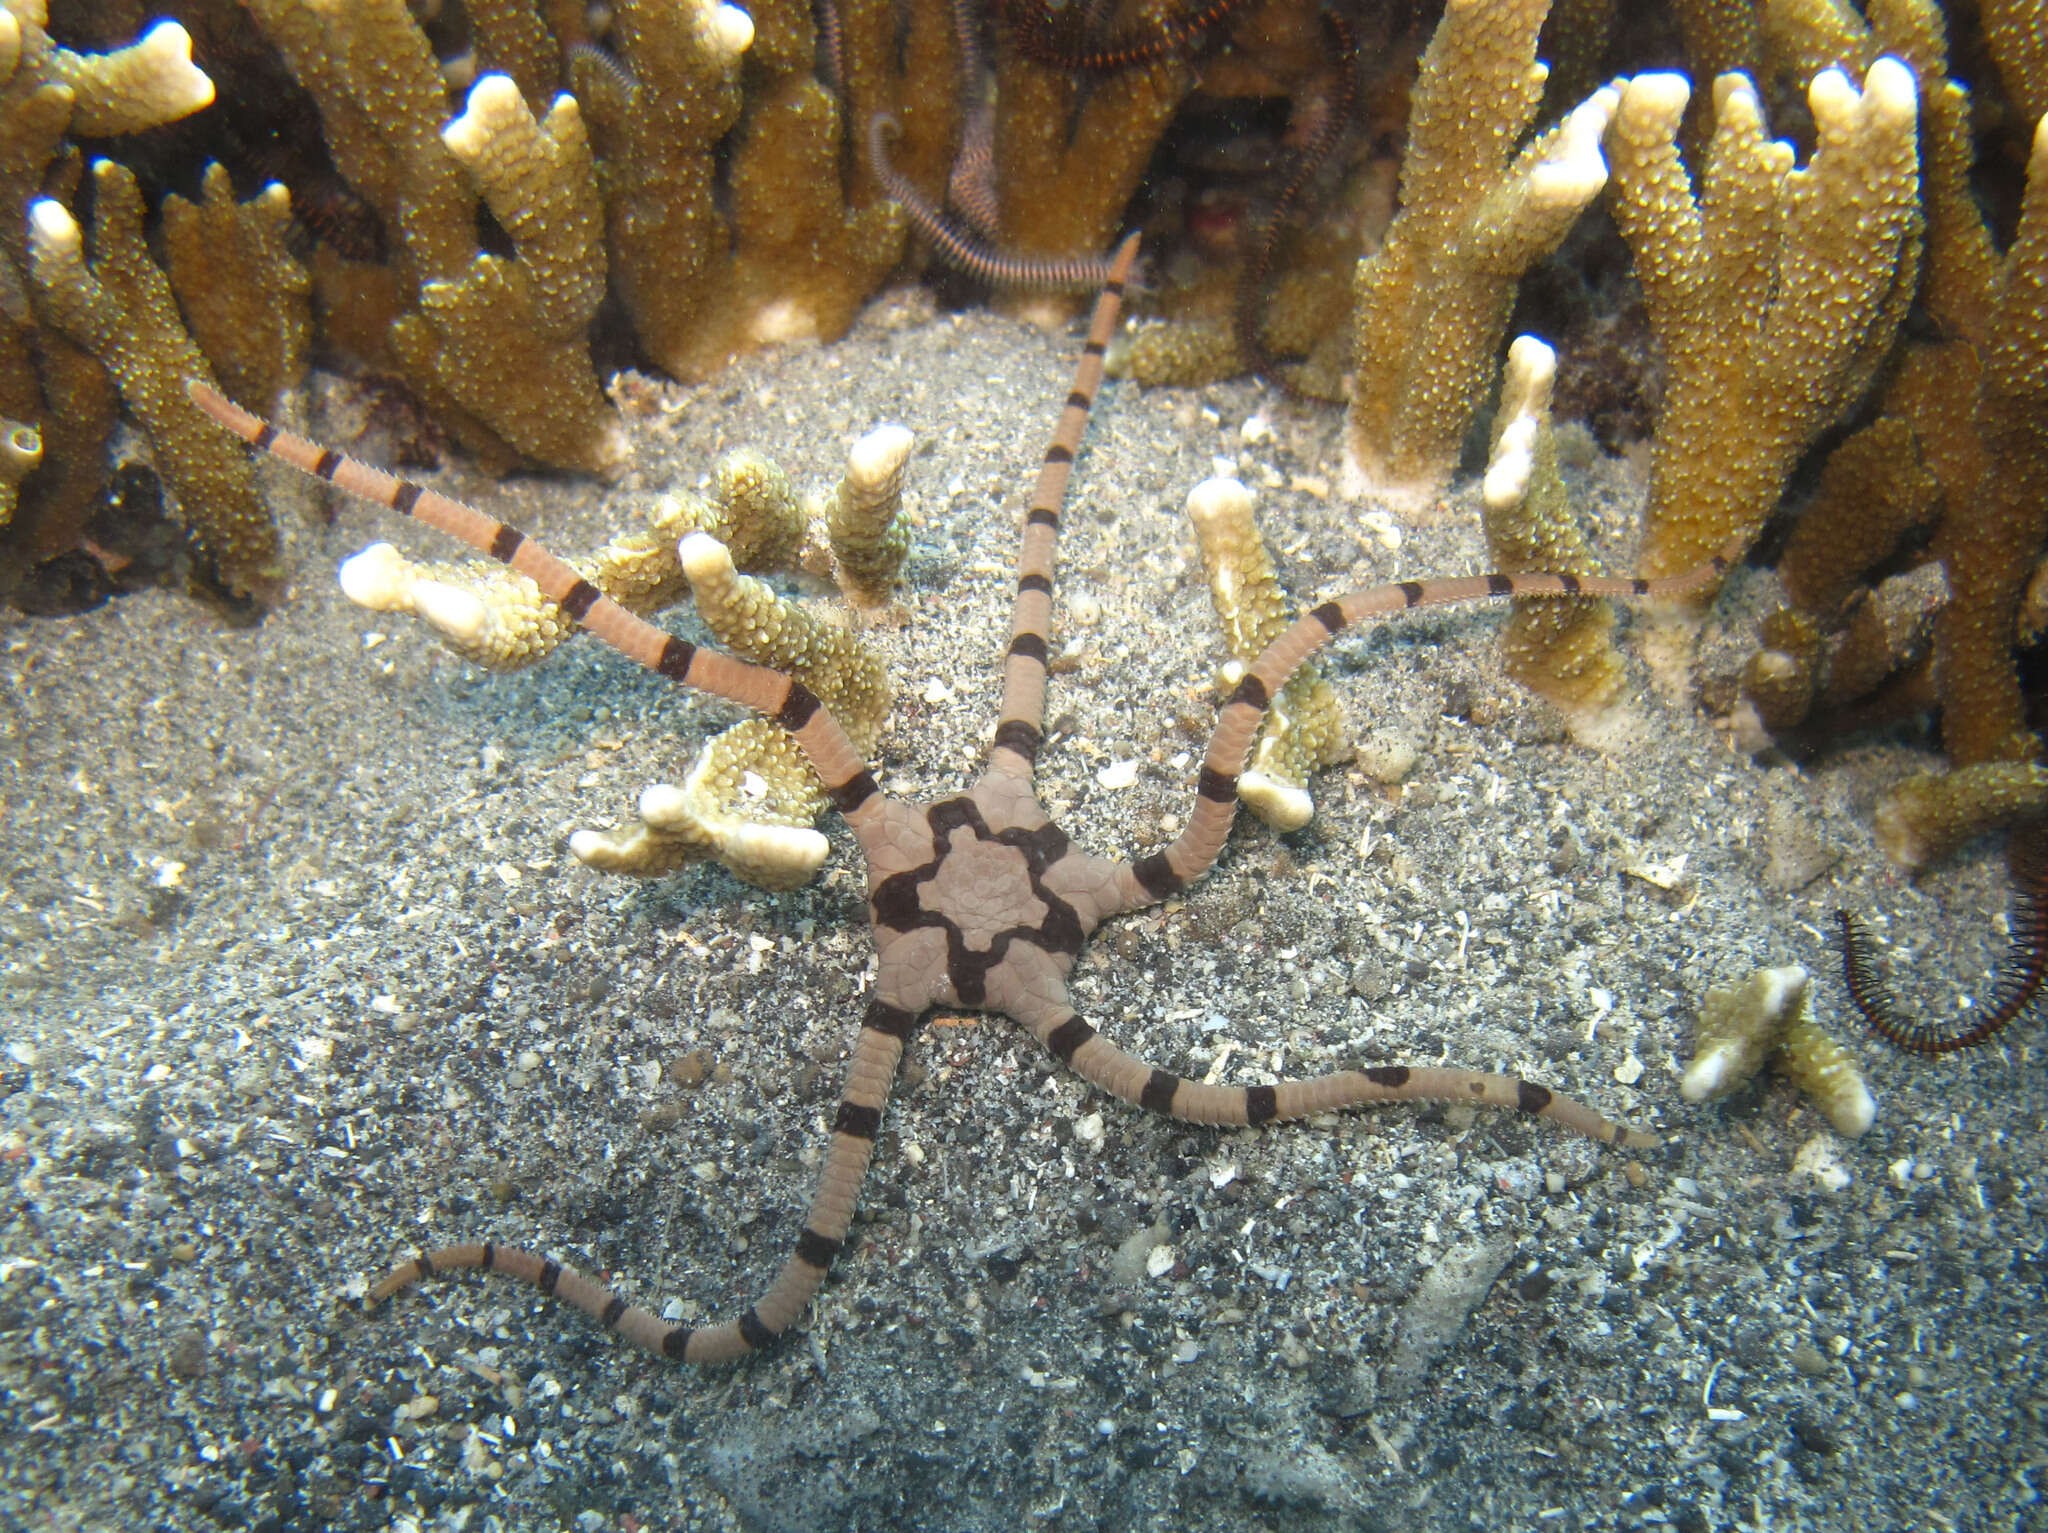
[{"x": 985, "y": 890}]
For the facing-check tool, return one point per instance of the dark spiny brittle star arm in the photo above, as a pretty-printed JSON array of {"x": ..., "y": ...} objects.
[{"x": 962, "y": 251}]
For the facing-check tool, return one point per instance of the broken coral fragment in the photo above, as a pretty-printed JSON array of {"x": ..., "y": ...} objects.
[
  {"x": 1769, "y": 1018},
  {"x": 1304, "y": 725},
  {"x": 750, "y": 798},
  {"x": 868, "y": 535}
]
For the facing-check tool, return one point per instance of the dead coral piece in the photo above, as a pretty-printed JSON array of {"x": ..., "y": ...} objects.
[
  {"x": 1304, "y": 726},
  {"x": 494, "y": 617},
  {"x": 1769, "y": 1017},
  {"x": 1774, "y": 292},
  {"x": 120, "y": 308},
  {"x": 1560, "y": 650},
  {"x": 1926, "y": 818},
  {"x": 1431, "y": 306}
]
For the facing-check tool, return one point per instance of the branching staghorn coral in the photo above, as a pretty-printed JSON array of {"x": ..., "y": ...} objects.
[
  {"x": 1430, "y": 308},
  {"x": 1304, "y": 726},
  {"x": 1774, "y": 292},
  {"x": 246, "y": 297},
  {"x": 749, "y": 800},
  {"x": 498, "y": 344},
  {"x": 119, "y": 307},
  {"x": 792, "y": 257},
  {"x": 1067, "y": 159},
  {"x": 1959, "y": 445},
  {"x": 50, "y": 387}
]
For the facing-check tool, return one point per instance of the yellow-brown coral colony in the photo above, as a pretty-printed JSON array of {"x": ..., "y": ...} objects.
[{"x": 490, "y": 208}]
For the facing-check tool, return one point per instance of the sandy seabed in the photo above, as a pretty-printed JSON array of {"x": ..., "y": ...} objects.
[{"x": 298, "y": 976}]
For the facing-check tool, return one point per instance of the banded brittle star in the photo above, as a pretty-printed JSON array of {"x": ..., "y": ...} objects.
[{"x": 977, "y": 901}]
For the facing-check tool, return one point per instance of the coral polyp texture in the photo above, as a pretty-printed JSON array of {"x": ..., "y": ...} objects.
[
  {"x": 1432, "y": 304},
  {"x": 1775, "y": 292},
  {"x": 119, "y": 307},
  {"x": 51, "y": 384}
]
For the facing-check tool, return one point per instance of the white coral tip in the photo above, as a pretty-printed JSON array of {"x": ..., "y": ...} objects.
[
  {"x": 1888, "y": 86},
  {"x": 493, "y": 101},
  {"x": 1853, "y": 1111},
  {"x": 878, "y": 455},
  {"x": 1660, "y": 97},
  {"x": 1281, "y": 805},
  {"x": 377, "y": 578},
  {"x": 1707, "y": 1076},
  {"x": 1831, "y": 97},
  {"x": 182, "y": 85},
  {"x": 1513, "y": 462},
  {"x": 730, "y": 30},
  {"x": 586, "y": 844},
  {"x": 1218, "y": 502},
  {"x": 1784, "y": 988},
  {"x": 456, "y": 613},
  {"x": 664, "y": 806},
  {"x": 51, "y": 225},
  {"x": 704, "y": 558}
]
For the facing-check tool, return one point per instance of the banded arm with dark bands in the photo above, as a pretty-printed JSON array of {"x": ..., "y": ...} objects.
[
  {"x": 768, "y": 692},
  {"x": 1094, "y": 1058},
  {"x": 1194, "y": 851},
  {"x": 1020, "y": 722},
  {"x": 869, "y": 1076}
]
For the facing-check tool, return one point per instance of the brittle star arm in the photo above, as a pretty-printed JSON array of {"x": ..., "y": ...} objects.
[
  {"x": 1020, "y": 725},
  {"x": 881, "y": 824},
  {"x": 1041, "y": 1006},
  {"x": 962, "y": 251},
  {"x": 1158, "y": 875}
]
